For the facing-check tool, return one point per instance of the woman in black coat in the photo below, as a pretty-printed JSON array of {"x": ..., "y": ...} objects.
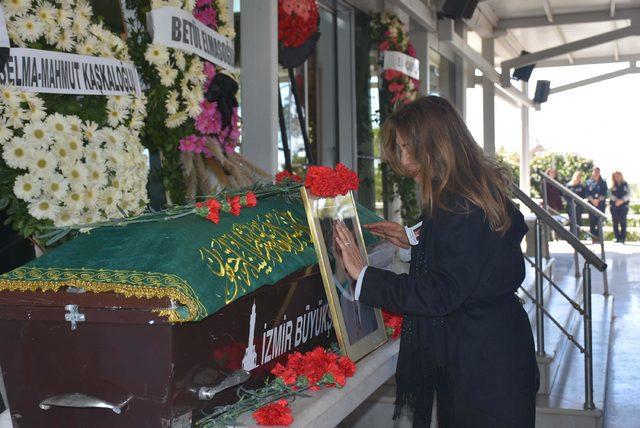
[{"x": 466, "y": 338}]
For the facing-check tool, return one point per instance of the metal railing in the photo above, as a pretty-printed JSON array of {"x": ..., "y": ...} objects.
[
  {"x": 591, "y": 260},
  {"x": 574, "y": 200}
]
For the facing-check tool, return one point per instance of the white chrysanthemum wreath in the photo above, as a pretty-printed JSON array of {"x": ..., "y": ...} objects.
[{"x": 68, "y": 160}]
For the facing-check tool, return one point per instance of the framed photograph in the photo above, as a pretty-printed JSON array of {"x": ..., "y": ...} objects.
[{"x": 359, "y": 327}]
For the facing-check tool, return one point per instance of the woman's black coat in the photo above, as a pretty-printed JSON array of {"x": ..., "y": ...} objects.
[{"x": 465, "y": 334}]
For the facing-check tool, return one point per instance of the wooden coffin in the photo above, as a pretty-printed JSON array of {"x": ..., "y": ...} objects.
[{"x": 131, "y": 367}]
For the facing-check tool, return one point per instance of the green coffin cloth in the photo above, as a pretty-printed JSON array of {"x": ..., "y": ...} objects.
[{"x": 201, "y": 265}]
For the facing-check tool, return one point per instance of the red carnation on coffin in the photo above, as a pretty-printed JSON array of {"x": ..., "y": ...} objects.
[
  {"x": 276, "y": 413},
  {"x": 250, "y": 199},
  {"x": 234, "y": 205},
  {"x": 286, "y": 175}
]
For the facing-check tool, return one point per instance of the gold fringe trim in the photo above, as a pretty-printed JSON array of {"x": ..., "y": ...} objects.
[{"x": 128, "y": 283}]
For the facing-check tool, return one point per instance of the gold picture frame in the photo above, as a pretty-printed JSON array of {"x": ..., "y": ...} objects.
[{"x": 359, "y": 328}]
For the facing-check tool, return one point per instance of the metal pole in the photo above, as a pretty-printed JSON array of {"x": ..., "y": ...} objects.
[
  {"x": 574, "y": 229},
  {"x": 588, "y": 360},
  {"x": 605, "y": 278},
  {"x": 545, "y": 205},
  {"x": 283, "y": 134},
  {"x": 539, "y": 291}
]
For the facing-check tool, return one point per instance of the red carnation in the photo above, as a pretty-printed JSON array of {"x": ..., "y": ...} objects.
[
  {"x": 320, "y": 181},
  {"x": 214, "y": 215},
  {"x": 393, "y": 323},
  {"x": 234, "y": 205},
  {"x": 289, "y": 376},
  {"x": 213, "y": 204},
  {"x": 347, "y": 366},
  {"x": 276, "y": 413},
  {"x": 250, "y": 199},
  {"x": 286, "y": 176},
  {"x": 347, "y": 179}
]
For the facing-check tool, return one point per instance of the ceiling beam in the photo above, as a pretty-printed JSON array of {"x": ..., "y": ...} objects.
[
  {"x": 612, "y": 8},
  {"x": 568, "y": 18},
  {"x": 588, "y": 42},
  {"x": 590, "y": 81},
  {"x": 546, "y": 4},
  {"x": 448, "y": 37},
  {"x": 607, "y": 59}
]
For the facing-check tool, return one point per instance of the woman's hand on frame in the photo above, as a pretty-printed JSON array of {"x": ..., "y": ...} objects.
[
  {"x": 351, "y": 255},
  {"x": 392, "y": 232}
]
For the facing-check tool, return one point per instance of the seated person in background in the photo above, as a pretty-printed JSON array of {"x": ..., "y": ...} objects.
[{"x": 554, "y": 197}]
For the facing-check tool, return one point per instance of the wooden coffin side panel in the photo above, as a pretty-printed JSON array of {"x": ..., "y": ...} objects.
[{"x": 111, "y": 362}]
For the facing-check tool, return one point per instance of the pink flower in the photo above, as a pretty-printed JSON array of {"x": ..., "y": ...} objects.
[{"x": 210, "y": 72}]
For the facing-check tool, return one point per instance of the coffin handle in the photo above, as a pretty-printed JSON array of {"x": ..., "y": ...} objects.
[
  {"x": 236, "y": 378},
  {"x": 84, "y": 401}
]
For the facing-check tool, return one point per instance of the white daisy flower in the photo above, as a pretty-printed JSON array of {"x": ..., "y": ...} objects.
[
  {"x": 51, "y": 33},
  {"x": 66, "y": 217},
  {"x": 181, "y": 61},
  {"x": 63, "y": 17},
  {"x": 43, "y": 209},
  {"x": 139, "y": 104},
  {"x": 17, "y": 154},
  {"x": 195, "y": 74},
  {"x": 193, "y": 107},
  {"x": 176, "y": 119},
  {"x": 75, "y": 172},
  {"x": 65, "y": 41},
  {"x": 97, "y": 175},
  {"x": 30, "y": 28},
  {"x": 75, "y": 125},
  {"x": 58, "y": 125},
  {"x": 114, "y": 140},
  {"x": 89, "y": 129},
  {"x": 6, "y": 133},
  {"x": 90, "y": 217},
  {"x": 93, "y": 153},
  {"x": 55, "y": 186},
  {"x": 43, "y": 163},
  {"x": 137, "y": 121},
  {"x": 84, "y": 9},
  {"x": 90, "y": 197},
  {"x": 167, "y": 74},
  {"x": 157, "y": 54},
  {"x": 15, "y": 117},
  {"x": 75, "y": 199},
  {"x": 61, "y": 152},
  {"x": 171, "y": 104},
  {"x": 37, "y": 134},
  {"x": 10, "y": 96},
  {"x": 36, "y": 110},
  {"x": 89, "y": 46},
  {"x": 46, "y": 13},
  {"x": 16, "y": 7},
  {"x": 108, "y": 201},
  {"x": 74, "y": 145},
  {"x": 121, "y": 102},
  {"x": 116, "y": 116},
  {"x": 27, "y": 187}
]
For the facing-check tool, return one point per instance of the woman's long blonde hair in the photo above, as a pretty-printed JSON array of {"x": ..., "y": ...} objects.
[
  {"x": 451, "y": 163},
  {"x": 576, "y": 178}
]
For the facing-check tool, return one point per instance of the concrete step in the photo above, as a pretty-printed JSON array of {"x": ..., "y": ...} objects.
[{"x": 563, "y": 407}]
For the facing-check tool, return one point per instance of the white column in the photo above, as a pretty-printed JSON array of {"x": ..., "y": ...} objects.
[
  {"x": 259, "y": 80},
  {"x": 489, "y": 101},
  {"x": 525, "y": 154},
  {"x": 420, "y": 40}
]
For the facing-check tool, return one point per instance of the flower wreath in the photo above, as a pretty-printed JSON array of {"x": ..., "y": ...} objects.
[
  {"x": 181, "y": 119},
  {"x": 68, "y": 160},
  {"x": 389, "y": 34},
  {"x": 297, "y": 31}
]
